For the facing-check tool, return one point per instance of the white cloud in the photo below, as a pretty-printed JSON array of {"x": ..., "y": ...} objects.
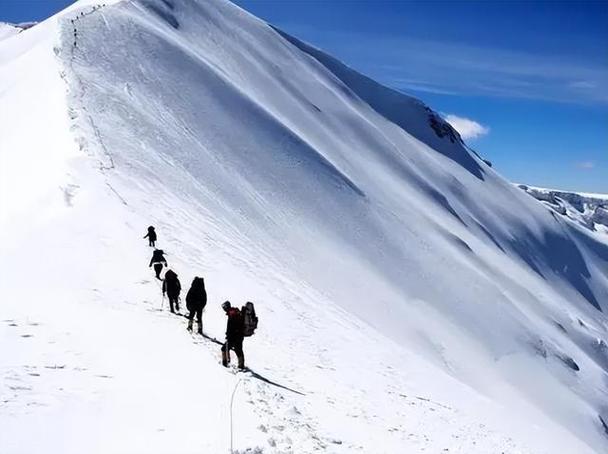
[
  {"x": 583, "y": 84},
  {"x": 585, "y": 165},
  {"x": 467, "y": 128}
]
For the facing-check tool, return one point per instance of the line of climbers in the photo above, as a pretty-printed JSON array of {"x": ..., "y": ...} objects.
[
  {"x": 240, "y": 323},
  {"x": 83, "y": 14}
]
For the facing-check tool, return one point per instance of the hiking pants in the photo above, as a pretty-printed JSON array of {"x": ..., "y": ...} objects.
[
  {"x": 199, "y": 319},
  {"x": 158, "y": 267},
  {"x": 235, "y": 344},
  {"x": 173, "y": 300},
  {"x": 151, "y": 242}
]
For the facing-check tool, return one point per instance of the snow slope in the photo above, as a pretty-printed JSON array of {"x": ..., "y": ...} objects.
[
  {"x": 410, "y": 299},
  {"x": 7, "y": 30}
]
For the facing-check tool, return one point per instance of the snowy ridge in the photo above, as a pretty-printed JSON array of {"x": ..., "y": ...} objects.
[
  {"x": 8, "y": 30},
  {"x": 410, "y": 299}
]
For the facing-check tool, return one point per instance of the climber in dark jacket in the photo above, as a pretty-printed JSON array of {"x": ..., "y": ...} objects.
[
  {"x": 151, "y": 235},
  {"x": 157, "y": 260},
  {"x": 235, "y": 328},
  {"x": 172, "y": 287},
  {"x": 196, "y": 299}
]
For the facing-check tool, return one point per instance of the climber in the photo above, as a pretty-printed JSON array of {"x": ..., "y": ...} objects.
[
  {"x": 151, "y": 235},
  {"x": 158, "y": 259},
  {"x": 196, "y": 299},
  {"x": 234, "y": 335},
  {"x": 172, "y": 287}
]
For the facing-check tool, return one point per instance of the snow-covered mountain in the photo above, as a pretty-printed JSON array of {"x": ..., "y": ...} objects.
[
  {"x": 588, "y": 210},
  {"x": 410, "y": 298},
  {"x": 7, "y": 30}
]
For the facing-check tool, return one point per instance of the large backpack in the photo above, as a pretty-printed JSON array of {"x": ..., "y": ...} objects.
[{"x": 250, "y": 320}]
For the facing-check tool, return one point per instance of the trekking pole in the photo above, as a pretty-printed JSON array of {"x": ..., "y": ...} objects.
[{"x": 162, "y": 304}]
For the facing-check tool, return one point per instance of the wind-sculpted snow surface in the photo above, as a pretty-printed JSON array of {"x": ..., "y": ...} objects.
[
  {"x": 414, "y": 299},
  {"x": 404, "y": 111}
]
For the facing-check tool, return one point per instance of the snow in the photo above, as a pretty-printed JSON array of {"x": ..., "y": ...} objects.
[
  {"x": 410, "y": 298},
  {"x": 585, "y": 209},
  {"x": 7, "y": 30},
  {"x": 590, "y": 195}
]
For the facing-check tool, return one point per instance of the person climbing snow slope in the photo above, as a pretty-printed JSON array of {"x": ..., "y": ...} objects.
[
  {"x": 151, "y": 235},
  {"x": 158, "y": 259},
  {"x": 196, "y": 299},
  {"x": 235, "y": 328},
  {"x": 172, "y": 287}
]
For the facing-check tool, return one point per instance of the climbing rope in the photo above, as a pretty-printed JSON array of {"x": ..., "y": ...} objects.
[{"x": 231, "y": 402}]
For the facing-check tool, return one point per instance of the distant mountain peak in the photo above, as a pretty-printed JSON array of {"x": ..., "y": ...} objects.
[{"x": 586, "y": 209}]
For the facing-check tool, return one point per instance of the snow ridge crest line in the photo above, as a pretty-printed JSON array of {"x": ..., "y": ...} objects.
[
  {"x": 69, "y": 37},
  {"x": 81, "y": 119}
]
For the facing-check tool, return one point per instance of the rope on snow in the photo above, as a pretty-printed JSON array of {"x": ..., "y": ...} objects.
[{"x": 231, "y": 402}]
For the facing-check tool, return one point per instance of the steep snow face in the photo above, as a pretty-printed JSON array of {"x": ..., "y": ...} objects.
[
  {"x": 417, "y": 299},
  {"x": 587, "y": 210}
]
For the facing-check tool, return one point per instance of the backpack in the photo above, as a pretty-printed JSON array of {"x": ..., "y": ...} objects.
[{"x": 250, "y": 320}]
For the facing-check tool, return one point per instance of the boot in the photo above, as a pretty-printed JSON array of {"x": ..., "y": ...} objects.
[
  {"x": 241, "y": 362},
  {"x": 225, "y": 359},
  {"x": 200, "y": 328},
  {"x": 189, "y": 325}
]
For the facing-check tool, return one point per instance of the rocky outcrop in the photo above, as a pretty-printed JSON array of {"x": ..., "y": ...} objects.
[{"x": 588, "y": 210}]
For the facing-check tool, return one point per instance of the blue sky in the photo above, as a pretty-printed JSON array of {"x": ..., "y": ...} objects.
[
  {"x": 16, "y": 11},
  {"x": 532, "y": 77}
]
